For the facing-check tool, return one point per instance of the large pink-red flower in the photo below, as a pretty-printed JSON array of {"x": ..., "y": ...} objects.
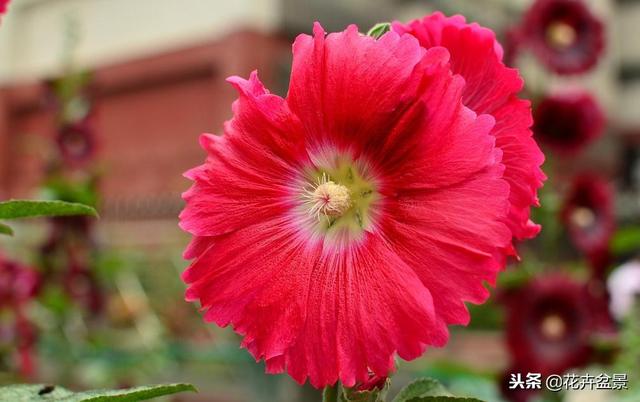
[
  {"x": 491, "y": 88},
  {"x": 351, "y": 221},
  {"x": 568, "y": 122},
  {"x": 564, "y": 34}
]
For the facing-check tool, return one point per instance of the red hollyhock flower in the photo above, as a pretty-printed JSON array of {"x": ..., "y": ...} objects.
[
  {"x": 564, "y": 35},
  {"x": 351, "y": 220},
  {"x": 4, "y": 4},
  {"x": 491, "y": 88},
  {"x": 18, "y": 283},
  {"x": 568, "y": 122},
  {"x": 588, "y": 214},
  {"x": 76, "y": 142},
  {"x": 549, "y": 324}
]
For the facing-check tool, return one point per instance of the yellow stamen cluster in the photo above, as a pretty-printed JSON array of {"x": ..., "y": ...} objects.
[
  {"x": 561, "y": 35},
  {"x": 553, "y": 327},
  {"x": 328, "y": 198}
]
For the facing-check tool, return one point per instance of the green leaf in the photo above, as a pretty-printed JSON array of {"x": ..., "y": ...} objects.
[
  {"x": 443, "y": 399},
  {"x": 374, "y": 395},
  {"x": 14, "y": 209},
  {"x": 422, "y": 387},
  {"x": 5, "y": 230},
  {"x": 34, "y": 393},
  {"x": 379, "y": 29},
  {"x": 626, "y": 240}
]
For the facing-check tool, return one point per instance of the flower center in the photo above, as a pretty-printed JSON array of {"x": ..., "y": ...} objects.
[
  {"x": 583, "y": 217},
  {"x": 330, "y": 199},
  {"x": 339, "y": 197},
  {"x": 561, "y": 35},
  {"x": 553, "y": 327}
]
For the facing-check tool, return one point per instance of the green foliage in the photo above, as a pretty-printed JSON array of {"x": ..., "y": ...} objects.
[
  {"x": 6, "y": 230},
  {"x": 375, "y": 395},
  {"x": 29, "y": 393},
  {"x": 442, "y": 399},
  {"x": 379, "y": 29},
  {"x": 16, "y": 209},
  {"x": 626, "y": 241},
  {"x": 421, "y": 390}
]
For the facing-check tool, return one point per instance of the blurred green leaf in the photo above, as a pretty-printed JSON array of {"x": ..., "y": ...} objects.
[
  {"x": 375, "y": 395},
  {"x": 14, "y": 209},
  {"x": 626, "y": 240},
  {"x": 29, "y": 393},
  {"x": 379, "y": 29},
  {"x": 443, "y": 399},
  {"x": 420, "y": 388},
  {"x": 5, "y": 230}
]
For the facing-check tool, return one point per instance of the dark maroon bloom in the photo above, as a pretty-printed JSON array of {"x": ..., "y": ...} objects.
[
  {"x": 81, "y": 285},
  {"x": 76, "y": 142},
  {"x": 549, "y": 324},
  {"x": 18, "y": 283},
  {"x": 512, "y": 45},
  {"x": 564, "y": 35},
  {"x": 568, "y": 122},
  {"x": 588, "y": 215}
]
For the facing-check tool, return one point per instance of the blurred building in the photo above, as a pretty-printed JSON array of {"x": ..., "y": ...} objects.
[{"x": 159, "y": 72}]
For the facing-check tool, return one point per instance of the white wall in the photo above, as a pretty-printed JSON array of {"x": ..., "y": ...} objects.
[{"x": 32, "y": 34}]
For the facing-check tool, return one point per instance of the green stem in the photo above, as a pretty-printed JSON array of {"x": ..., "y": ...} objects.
[{"x": 330, "y": 394}]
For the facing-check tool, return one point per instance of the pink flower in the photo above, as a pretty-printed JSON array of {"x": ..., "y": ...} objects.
[
  {"x": 568, "y": 122},
  {"x": 18, "y": 283},
  {"x": 588, "y": 214},
  {"x": 4, "y": 4},
  {"x": 564, "y": 34},
  {"x": 351, "y": 220},
  {"x": 491, "y": 88}
]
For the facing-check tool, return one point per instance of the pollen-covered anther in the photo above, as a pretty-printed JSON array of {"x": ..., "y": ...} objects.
[{"x": 330, "y": 199}]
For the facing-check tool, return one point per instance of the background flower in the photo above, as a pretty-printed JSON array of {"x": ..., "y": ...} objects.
[
  {"x": 588, "y": 214},
  {"x": 624, "y": 287},
  {"x": 549, "y": 324},
  {"x": 568, "y": 122},
  {"x": 564, "y": 34}
]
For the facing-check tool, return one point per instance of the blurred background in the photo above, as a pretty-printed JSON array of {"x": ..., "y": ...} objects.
[{"x": 102, "y": 102}]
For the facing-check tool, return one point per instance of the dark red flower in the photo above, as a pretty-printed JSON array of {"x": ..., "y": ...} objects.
[
  {"x": 513, "y": 43},
  {"x": 76, "y": 142},
  {"x": 588, "y": 214},
  {"x": 81, "y": 285},
  {"x": 568, "y": 122},
  {"x": 564, "y": 35},
  {"x": 18, "y": 283},
  {"x": 549, "y": 324}
]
